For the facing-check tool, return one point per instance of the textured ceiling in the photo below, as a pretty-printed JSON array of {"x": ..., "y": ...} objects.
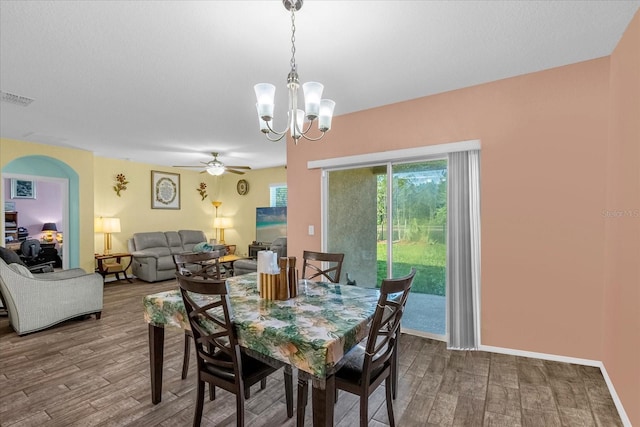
[{"x": 167, "y": 82}]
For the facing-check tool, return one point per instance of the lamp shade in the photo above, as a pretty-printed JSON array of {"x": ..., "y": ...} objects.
[
  {"x": 49, "y": 226},
  {"x": 110, "y": 225},
  {"x": 222, "y": 222}
]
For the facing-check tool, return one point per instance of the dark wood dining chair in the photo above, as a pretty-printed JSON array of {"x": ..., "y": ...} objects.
[
  {"x": 314, "y": 264},
  {"x": 221, "y": 363},
  {"x": 368, "y": 364},
  {"x": 199, "y": 264}
]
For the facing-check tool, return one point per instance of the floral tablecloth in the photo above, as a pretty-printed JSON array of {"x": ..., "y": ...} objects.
[{"x": 310, "y": 332}]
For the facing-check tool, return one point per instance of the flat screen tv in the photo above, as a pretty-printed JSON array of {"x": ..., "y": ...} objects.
[{"x": 271, "y": 223}]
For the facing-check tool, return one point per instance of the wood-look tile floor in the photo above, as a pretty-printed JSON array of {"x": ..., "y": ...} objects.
[{"x": 96, "y": 373}]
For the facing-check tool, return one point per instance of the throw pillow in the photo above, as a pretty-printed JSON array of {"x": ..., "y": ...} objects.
[{"x": 202, "y": 247}]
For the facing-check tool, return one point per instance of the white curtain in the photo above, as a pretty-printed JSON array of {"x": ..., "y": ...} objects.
[{"x": 463, "y": 250}]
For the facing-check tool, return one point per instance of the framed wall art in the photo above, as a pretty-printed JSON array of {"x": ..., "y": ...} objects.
[
  {"x": 165, "y": 190},
  {"x": 23, "y": 188}
]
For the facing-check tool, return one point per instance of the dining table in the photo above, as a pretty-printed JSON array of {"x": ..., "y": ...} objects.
[{"x": 310, "y": 332}]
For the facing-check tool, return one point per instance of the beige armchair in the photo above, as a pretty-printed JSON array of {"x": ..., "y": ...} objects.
[{"x": 40, "y": 301}]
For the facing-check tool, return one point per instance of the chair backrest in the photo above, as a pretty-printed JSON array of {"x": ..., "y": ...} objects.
[
  {"x": 208, "y": 309},
  {"x": 314, "y": 265},
  {"x": 30, "y": 249},
  {"x": 202, "y": 264},
  {"x": 386, "y": 322}
]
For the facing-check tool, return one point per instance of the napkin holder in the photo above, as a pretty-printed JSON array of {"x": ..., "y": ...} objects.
[{"x": 280, "y": 286}]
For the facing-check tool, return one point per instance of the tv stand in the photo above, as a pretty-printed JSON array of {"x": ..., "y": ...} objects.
[{"x": 256, "y": 247}]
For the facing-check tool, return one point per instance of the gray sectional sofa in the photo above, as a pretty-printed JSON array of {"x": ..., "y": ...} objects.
[{"x": 153, "y": 252}]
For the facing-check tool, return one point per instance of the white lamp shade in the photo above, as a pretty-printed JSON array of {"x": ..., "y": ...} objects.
[
  {"x": 265, "y": 95},
  {"x": 111, "y": 225},
  {"x": 312, "y": 96},
  {"x": 326, "y": 113},
  {"x": 222, "y": 222}
]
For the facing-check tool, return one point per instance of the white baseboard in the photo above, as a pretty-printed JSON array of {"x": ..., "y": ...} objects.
[
  {"x": 423, "y": 334},
  {"x": 575, "y": 360}
]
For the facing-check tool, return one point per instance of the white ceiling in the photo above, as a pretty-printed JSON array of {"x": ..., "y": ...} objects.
[{"x": 167, "y": 82}]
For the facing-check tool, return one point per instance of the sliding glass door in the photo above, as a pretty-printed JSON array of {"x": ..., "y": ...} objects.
[{"x": 387, "y": 219}]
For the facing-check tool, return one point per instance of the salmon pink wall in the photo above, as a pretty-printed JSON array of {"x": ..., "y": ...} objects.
[
  {"x": 543, "y": 139},
  {"x": 622, "y": 225}
]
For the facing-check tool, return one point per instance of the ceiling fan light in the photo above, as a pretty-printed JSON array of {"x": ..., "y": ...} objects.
[{"x": 215, "y": 170}]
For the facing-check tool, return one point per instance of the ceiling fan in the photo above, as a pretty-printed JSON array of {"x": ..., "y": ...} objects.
[{"x": 216, "y": 167}]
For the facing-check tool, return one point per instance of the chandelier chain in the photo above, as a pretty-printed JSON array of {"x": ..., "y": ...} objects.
[{"x": 293, "y": 39}]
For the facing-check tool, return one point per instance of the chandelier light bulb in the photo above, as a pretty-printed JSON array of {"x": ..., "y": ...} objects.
[
  {"x": 265, "y": 94},
  {"x": 326, "y": 113},
  {"x": 312, "y": 96}
]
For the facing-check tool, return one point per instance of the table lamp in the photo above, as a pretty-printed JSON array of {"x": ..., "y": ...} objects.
[
  {"x": 49, "y": 228},
  {"x": 221, "y": 223},
  {"x": 109, "y": 225}
]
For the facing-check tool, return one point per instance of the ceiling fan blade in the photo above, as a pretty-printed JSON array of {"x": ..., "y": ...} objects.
[
  {"x": 178, "y": 166},
  {"x": 232, "y": 171},
  {"x": 238, "y": 167}
]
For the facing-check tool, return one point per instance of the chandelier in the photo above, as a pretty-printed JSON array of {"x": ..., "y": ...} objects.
[{"x": 314, "y": 106}]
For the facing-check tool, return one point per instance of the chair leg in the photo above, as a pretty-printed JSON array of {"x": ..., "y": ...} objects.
[
  {"x": 197, "y": 418},
  {"x": 364, "y": 410},
  {"x": 394, "y": 366},
  {"x": 212, "y": 392},
  {"x": 185, "y": 361},
  {"x": 288, "y": 390},
  {"x": 303, "y": 394},
  {"x": 247, "y": 392},
  {"x": 240, "y": 409},
  {"x": 263, "y": 384},
  {"x": 388, "y": 386}
]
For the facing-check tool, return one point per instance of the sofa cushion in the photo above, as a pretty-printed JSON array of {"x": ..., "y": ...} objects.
[
  {"x": 153, "y": 239},
  {"x": 189, "y": 238},
  {"x": 174, "y": 242},
  {"x": 166, "y": 263}
]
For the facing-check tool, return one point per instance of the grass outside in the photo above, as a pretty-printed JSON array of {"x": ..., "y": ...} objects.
[{"x": 429, "y": 259}]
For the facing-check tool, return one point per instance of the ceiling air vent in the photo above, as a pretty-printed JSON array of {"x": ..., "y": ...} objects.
[{"x": 15, "y": 99}]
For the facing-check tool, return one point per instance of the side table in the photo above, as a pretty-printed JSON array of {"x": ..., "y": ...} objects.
[
  {"x": 114, "y": 264},
  {"x": 227, "y": 262}
]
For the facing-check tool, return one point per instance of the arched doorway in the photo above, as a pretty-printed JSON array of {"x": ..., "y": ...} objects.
[{"x": 47, "y": 167}]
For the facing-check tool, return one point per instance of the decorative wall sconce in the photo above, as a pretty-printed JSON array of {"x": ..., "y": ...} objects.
[
  {"x": 121, "y": 184},
  {"x": 202, "y": 189}
]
